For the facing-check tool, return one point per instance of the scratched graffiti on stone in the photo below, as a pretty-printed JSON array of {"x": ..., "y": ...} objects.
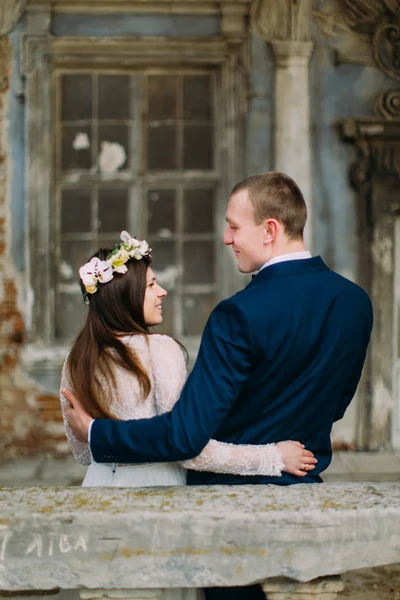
[{"x": 42, "y": 546}]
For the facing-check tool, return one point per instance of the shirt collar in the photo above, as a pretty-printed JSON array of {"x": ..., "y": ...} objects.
[{"x": 284, "y": 257}]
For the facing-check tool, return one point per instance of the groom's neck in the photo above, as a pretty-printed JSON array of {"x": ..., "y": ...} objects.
[{"x": 287, "y": 247}]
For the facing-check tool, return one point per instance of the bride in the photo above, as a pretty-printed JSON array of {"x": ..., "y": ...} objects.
[{"x": 120, "y": 369}]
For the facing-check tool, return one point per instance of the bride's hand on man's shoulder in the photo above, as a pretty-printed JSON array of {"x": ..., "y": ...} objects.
[{"x": 296, "y": 459}]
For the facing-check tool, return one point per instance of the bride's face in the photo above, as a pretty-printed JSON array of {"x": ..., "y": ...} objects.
[{"x": 152, "y": 307}]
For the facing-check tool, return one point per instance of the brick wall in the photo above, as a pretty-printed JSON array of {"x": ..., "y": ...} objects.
[{"x": 29, "y": 419}]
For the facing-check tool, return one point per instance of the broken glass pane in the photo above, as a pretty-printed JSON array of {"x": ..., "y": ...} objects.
[
  {"x": 162, "y": 90},
  {"x": 113, "y": 210},
  {"x": 197, "y": 147},
  {"x": 198, "y": 262},
  {"x": 199, "y": 211},
  {"x": 197, "y": 99},
  {"x": 73, "y": 256},
  {"x": 161, "y": 212},
  {"x": 75, "y": 147},
  {"x": 113, "y": 148},
  {"x": 114, "y": 97},
  {"x": 76, "y": 97},
  {"x": 76, "y": 211}
]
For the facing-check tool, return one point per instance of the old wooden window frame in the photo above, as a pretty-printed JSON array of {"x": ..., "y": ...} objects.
[{"x": 42, "y": 56}]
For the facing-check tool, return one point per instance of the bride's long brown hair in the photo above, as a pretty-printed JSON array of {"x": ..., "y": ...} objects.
[{"x": 116, "y": 309}]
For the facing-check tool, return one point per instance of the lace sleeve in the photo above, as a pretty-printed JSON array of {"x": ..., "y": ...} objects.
[
  {"x": 218, "y": 457},
  {"x": 80, "y": 450},
  {"x": 239, "y": 459}
]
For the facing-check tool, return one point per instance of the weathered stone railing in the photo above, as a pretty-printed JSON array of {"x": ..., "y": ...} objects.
[{"x": 127, "y": 543}]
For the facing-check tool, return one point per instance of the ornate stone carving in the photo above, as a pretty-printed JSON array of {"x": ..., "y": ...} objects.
[
  {"x": 283, "y": 20},
  {"x": 378, "y": 21},
  {"x": 10, "y": 13},
  {"x": 360, "y": 169},
  {"x": 386, "y": 45},
  {"x": 387, "y": 104},
  {"x": 362, "y": 15}
]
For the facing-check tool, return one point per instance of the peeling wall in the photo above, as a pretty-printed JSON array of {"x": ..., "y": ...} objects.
[{"x": 31, "y": 419}]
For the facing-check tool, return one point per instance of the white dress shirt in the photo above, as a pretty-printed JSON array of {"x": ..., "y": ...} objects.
[{"x": 284, "y": 257}]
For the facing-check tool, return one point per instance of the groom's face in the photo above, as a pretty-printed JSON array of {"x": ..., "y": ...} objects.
[{"x": 244, "y": 235}]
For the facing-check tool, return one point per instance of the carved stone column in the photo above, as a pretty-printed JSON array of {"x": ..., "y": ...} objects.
[
  {"x": 323, "y": 588},
  {"x": 292, "y": 117},
  {"x": 285, "y": 25},
  {"x": 376, "y": 177}
]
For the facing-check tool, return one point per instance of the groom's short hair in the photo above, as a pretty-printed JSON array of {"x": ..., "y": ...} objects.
[{"x": 275, "y": 195}]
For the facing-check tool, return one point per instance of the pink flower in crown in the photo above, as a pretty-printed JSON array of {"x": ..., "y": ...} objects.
[{"x": 94, "y": 272}]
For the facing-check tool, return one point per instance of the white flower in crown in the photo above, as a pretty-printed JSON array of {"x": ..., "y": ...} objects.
[
  {"x": 129, "y": 242},
  {"x": 94, "y": 272},
  {"x": 117, "y": 261},
  {"x": 144, "y": 248}
]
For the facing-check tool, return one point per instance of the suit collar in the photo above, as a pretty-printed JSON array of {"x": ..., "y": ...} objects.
[{"x": 291, "y": 267}]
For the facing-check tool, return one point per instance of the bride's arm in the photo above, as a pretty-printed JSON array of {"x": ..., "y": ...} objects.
[
  {"x": 218, "y": 457},
  {"x": 80, "y": 450}
]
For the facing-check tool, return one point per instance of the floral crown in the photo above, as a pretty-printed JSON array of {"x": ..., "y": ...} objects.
[{"x": 102, "y": 271}]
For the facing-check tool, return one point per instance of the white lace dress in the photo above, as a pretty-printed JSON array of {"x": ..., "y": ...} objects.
[{"x": 164, "y": 361}]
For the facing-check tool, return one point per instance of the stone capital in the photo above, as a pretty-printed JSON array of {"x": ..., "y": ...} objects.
[
  {"x": 290, "y": 53},
  {"x": 282, "y": 20},
  {"x": 10, "y": 13}
]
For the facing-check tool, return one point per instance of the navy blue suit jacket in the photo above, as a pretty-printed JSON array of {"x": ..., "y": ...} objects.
[{"x": 280, "y": 360}]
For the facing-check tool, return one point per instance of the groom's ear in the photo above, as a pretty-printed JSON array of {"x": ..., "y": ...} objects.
[{"x": 271, "y": 229}]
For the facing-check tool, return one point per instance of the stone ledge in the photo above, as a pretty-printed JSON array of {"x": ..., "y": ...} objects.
[{"x": 115, "y": 538}]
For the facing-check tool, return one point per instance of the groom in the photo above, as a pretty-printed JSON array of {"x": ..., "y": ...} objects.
[{"x": 279, "y": 360}]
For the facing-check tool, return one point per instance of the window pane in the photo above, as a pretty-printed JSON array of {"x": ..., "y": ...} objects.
[
  {"x": 76, "y": 97},
  {"x": 114, "y": 97},
  {"x": 162, "y": 148},
  {"x": 73, "y": 256},
  {"x": 113, "y": 148},
  {"x": 196, "y": 310},
  {"x": 198, "y": 262},
  {"x": 113, "y": 210},
  {"x": 70, "y": 315},
  {"x": 161, "y": 212},
  {"x": 197, "y": 144},
  {"x": 76, "y": 211},
  {"x": 199, "y": 211},
  {"x": 75, "y": 148},
  {"x": 197, "y": 97},
  {"x": 164, "y": 264},
  {"x": 163, "y": 97}
]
